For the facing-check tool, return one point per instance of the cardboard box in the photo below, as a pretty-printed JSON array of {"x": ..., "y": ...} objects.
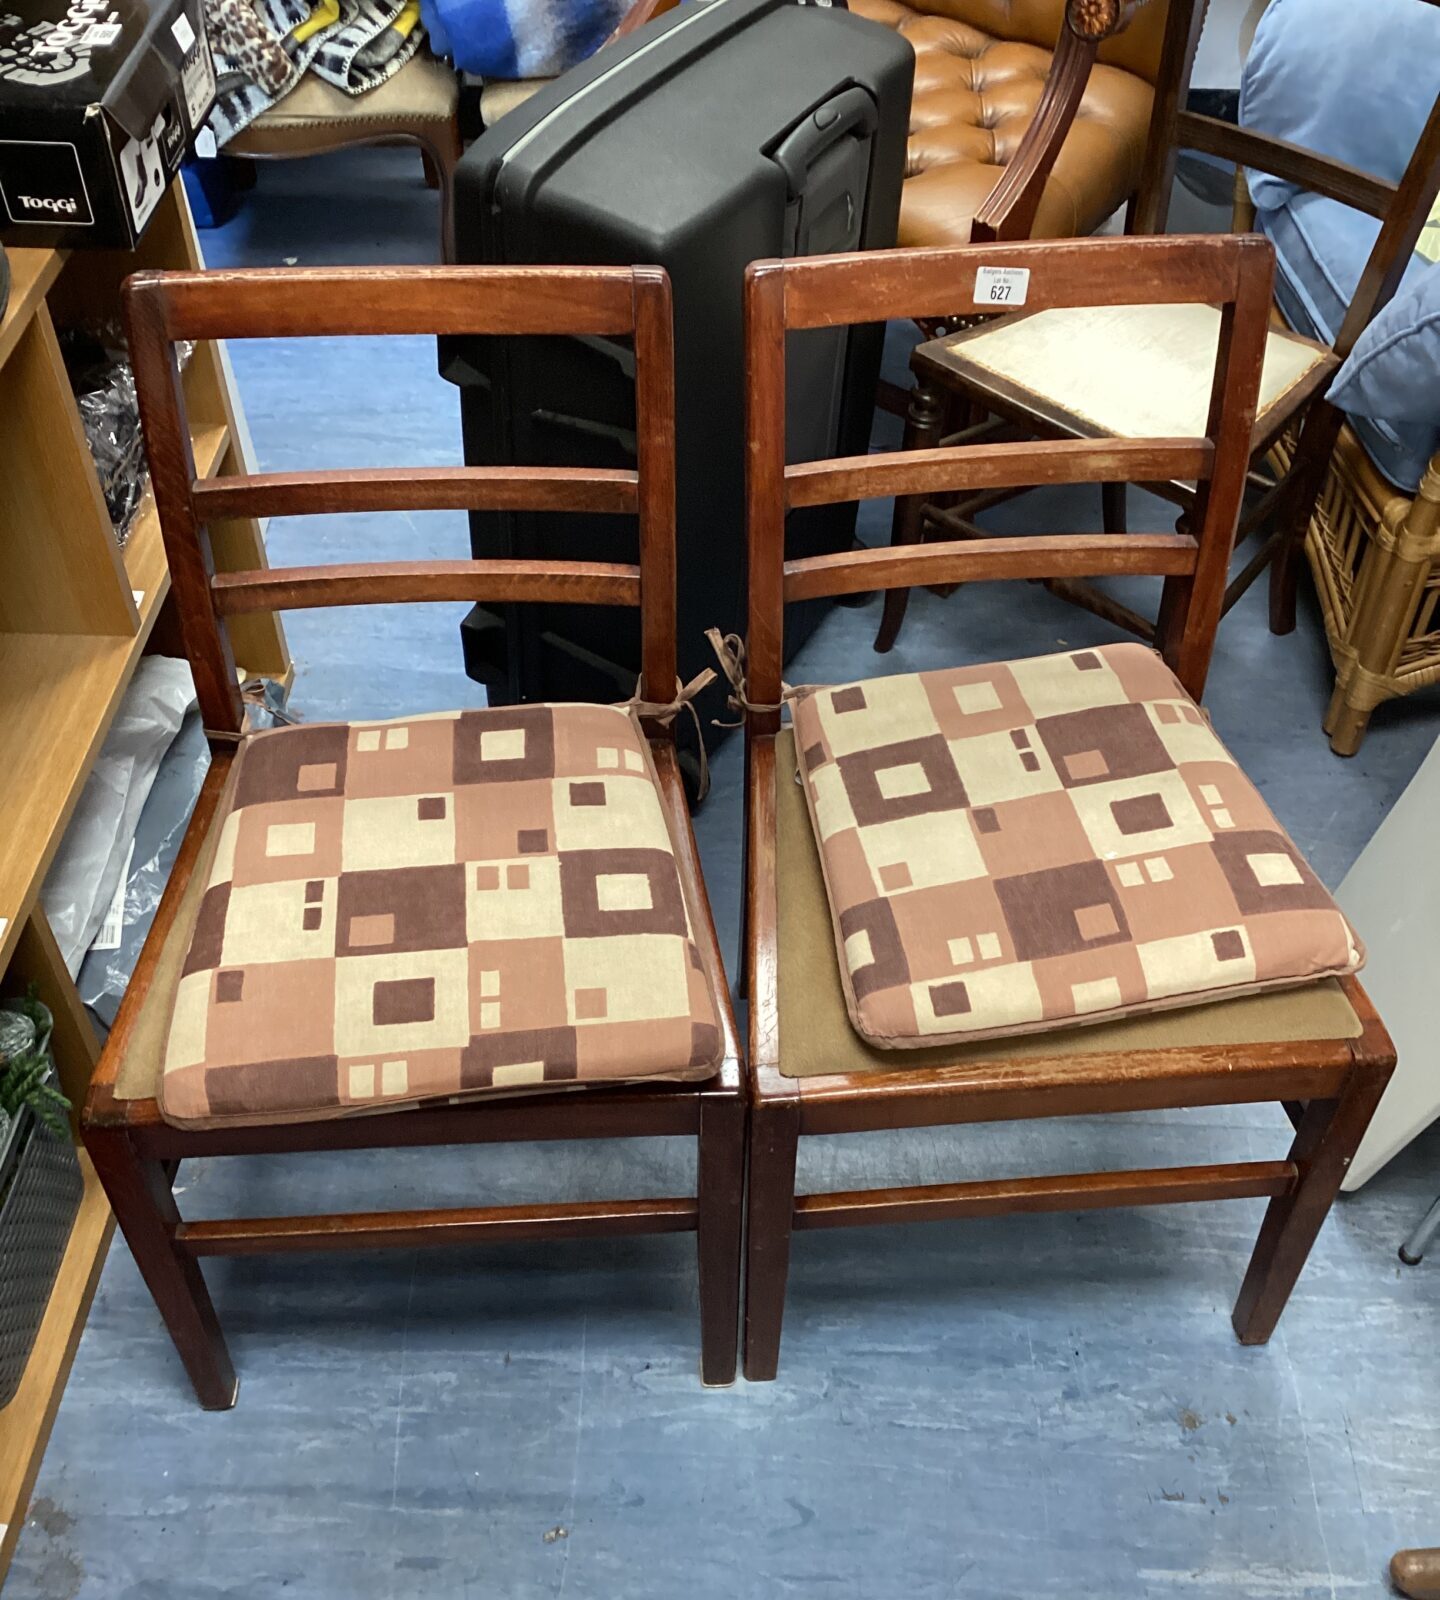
[{"x": 99, "y": 101}]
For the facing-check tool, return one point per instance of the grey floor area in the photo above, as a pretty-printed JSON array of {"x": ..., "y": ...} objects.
[{"x": 1022, "y": 1407}]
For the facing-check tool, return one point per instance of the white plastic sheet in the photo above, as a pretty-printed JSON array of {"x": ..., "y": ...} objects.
[{"x": 83, "y": 878}]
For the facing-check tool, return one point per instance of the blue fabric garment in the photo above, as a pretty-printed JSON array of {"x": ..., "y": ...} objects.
[
  {"x": 510, "y": 39},
  {"x": 1321, "y": 248},
  {"x": 1393, "y": 373},
  {"x": 1355, "y": 83}
]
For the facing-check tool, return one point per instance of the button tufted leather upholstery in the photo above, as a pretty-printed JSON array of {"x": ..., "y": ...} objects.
[{"x": 980, "y": 67}]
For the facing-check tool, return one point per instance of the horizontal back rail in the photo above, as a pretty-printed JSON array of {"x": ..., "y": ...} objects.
[
  {"x": 308, "y": 494},
  {"x": 1066, "y": 555},
  {"x": 596, "y": 583},
  {"x": 162, "y": 309},
  {"x": 321, "y": 302},
  {"x": 1234, "y": 273},
  {"x": 832, "y": 291},
  {"x": 1002, "y": 466}
]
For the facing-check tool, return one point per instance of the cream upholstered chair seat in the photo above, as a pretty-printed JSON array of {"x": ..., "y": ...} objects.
[
  {"x": 1139, "y": 371},
  {"x": 420, "y": 102},
  {"x": 498, "y": 96}
]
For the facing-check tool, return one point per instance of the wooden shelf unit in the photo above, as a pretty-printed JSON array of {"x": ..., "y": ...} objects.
[{"x": 76, "y": 614}]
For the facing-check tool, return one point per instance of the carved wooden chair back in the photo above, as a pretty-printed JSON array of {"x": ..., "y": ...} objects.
[
  {"x": 166, "y": 307},
  {"x": 1232, "y": 273}
]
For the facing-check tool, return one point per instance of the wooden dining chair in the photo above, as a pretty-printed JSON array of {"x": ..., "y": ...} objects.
[
  {"x": 1082, "y": 375},
  {"x": 487, "y": 925},
  {"x": 1095, "y": 839}
]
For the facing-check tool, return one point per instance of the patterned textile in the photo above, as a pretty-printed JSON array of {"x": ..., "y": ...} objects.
[
  {"x": 1029, "y": 844},
  {"x": 506, "y": 40},
  {"x": 354, "y": 44},
  {"x": 448, "y": 906}
]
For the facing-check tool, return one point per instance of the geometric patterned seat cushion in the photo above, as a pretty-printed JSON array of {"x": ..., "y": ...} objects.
[
  {"x": 1034, "y": 844},
  {"x": 440, "y": 907}
]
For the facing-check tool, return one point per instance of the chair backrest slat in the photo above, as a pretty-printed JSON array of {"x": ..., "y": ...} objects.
[
  {"x": 164, "y": 308},
  {"x": 597, "y": 583},
  {"x": 1065, "y": 555},
  {"x": 1004, "y": 466},
  {"x": 304, "y": 494},
  {"x": 1234, "y": 273},
  {"x": 319, "y": 302},
  {"x": 835, "y": 291}
]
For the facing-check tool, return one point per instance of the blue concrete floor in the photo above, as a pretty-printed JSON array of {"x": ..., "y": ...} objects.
[{"x": 1021, "y": 1407}]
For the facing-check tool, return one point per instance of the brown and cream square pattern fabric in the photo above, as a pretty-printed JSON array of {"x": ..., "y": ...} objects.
[
  {"x": 1031, "y": 844},
  {"x": 439, "y": 908}
]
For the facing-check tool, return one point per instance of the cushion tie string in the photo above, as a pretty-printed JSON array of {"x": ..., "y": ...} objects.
[
  {"x": 729, "y": 651},
  {"x": 665, "y": 711}
]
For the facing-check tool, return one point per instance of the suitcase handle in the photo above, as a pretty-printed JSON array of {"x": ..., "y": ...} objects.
[{"x": 850, "y": 111}]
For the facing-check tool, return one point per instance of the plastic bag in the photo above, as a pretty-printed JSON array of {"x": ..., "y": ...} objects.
[
  {"x": 104, "y": 389},
  {"x": 81, "y": 882},
  {"x": 105, "y": 974}
]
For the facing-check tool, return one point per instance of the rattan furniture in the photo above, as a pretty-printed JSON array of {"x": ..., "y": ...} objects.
[
  {"x": 1320, "y": 1049},
  {"x": 1374, "y": 553},
  {"x": 135, "y": 1150}
]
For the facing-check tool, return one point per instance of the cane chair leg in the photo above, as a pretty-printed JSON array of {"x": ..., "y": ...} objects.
[
  {"x": 718, "y": 1231},
  {"x": 924, "y": 427},
  {"x": 774, "y": 1136},
  {"x": 1324, "y": 1145},
  {"x": 140, "y": 1196}
]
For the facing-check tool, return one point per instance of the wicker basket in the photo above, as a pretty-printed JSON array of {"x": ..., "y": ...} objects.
[
  {"x": 1373, "y": 551},
  {"x": 40, "y": 1191}
]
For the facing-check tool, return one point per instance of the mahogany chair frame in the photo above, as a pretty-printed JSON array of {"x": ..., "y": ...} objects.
[
  {"x": 1338, "y": 1082},
  {"x": 135, "y": 1151},
  {"x": 1282, "y": 506}
]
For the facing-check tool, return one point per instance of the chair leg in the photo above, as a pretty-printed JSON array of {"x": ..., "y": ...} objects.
[
  {"x": 774, "y": 1135},
  {"x": 924, "y": 425},
  {"x": 1313, "y": 450},
  {"x": 721, "y": 1191},
  {"x": 1346, "y": 724},
  {"x": 1324, "y": 1145},
  {"x": 140, "y": 1196}
]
